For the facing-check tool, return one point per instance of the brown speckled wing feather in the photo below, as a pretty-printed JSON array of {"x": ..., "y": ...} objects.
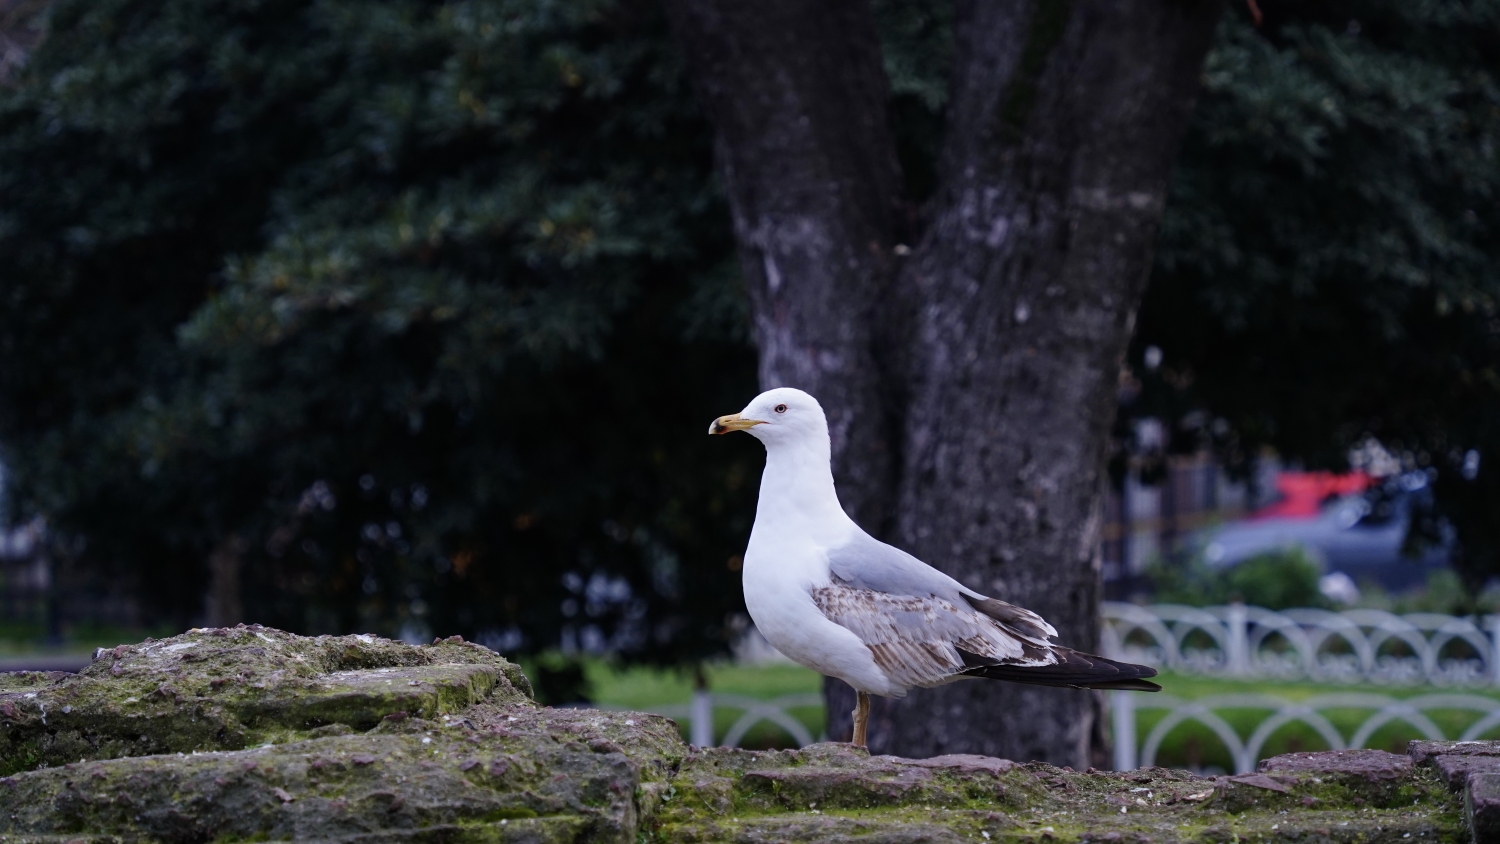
[{"x": 926, "y": 641}]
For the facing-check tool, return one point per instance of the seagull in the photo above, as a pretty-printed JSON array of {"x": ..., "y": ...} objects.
[{"x": 835, "y": 599}]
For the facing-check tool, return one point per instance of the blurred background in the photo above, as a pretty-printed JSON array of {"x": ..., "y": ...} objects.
[{"x": 407, "y": 317}]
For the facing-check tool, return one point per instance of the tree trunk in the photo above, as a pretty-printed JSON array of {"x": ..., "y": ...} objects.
[
  {"x": 797, "y": 95},
  {"x": 1065, "y": 124},
  {"x": 1007, "y": 324},
  {"x": 222, "y": 604}
]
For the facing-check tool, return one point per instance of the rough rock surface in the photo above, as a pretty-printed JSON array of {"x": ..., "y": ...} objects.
[
  {"x": 1373, "y": 766},
  {"x": 1472, "y": 768},
  {"x": 254, "y": 734},
  {"x": 1482, "y": 806}
]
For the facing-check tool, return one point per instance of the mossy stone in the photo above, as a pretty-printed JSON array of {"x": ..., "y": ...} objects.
[{"x": 252, "y": 734}]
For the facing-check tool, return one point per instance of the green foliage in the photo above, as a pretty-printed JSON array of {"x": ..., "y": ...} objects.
[
  {"x": 1325, "y": 272},
  {"x": 1444, "y": 592},
  {"x": 420, "y": 306},
  {"x": 557, "y": 679},
  {"x": 1326, "y": 266},
  {"x": 917, "y": 41},
  {"x": 1275, "y": 580}
]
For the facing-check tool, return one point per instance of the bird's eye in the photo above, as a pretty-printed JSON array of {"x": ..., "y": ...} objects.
[{"x": 781, "y": 408}]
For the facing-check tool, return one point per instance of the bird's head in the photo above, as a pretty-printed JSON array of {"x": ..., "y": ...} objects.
[{"x": 782, "y": 415}]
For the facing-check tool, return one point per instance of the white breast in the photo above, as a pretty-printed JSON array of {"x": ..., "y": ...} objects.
[
  {"x": 778, "y": 593},
  {"x": 796, "y": 517}
]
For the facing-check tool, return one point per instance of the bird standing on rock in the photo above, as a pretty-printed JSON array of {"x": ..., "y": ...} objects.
[{"x": 835, "y": 599}]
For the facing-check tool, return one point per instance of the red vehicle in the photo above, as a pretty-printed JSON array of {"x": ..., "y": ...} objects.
[{"x": 1304, "y": 494}]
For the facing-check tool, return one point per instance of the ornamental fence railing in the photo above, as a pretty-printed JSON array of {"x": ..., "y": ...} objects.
[
  {"x": 1236, "y": 641},
  {"x": 1341, "y": 720},
  {"x": 698, "y": 714},
  {"x": 1362, "y": 716},
  {"x": 1352, "y": 646}
]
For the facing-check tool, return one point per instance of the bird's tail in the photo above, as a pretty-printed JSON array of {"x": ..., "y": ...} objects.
[{"x": 1073, "y": 669}]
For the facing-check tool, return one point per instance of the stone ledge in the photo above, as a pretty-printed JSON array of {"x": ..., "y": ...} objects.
[
  {"x": 1456, "y": 770},
  {"x": 1368, "y": 765},
  {"x": 232, "y": 688},
  {"x": 1421, "y": 751},
  {"x": 1482, "y": 807},
  {"x": 255, "y": 734},
  {"x": 1472, "y": 768}
]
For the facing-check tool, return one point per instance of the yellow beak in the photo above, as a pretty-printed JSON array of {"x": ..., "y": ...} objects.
[{"x": 732, "y": 422}]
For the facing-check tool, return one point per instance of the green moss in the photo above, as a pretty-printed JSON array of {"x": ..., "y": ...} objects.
[
  {"x": 440, "y": 743},
  {"x": 710, "y": 803},
  {"x": 509, "y": 814},
  {"x": 235, "y": 688}
]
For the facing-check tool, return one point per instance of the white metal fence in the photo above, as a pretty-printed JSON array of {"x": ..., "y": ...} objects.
[
  {"x": 1346, "y": 647},
  {"x": 1353, "y": 646},
  {"x": 699, "y": 715},
  {"x": 1374, "y": 712}
]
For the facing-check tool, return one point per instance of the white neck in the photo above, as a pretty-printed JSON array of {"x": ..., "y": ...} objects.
[{"x": 797, "y": 494}]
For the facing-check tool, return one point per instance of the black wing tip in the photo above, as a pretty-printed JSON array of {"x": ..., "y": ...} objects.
[
  {"x": 1074, "y": 669},
  {"x": 1126, "y": 686}
]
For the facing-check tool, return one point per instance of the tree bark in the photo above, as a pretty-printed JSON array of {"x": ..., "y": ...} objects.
[
  {"x": 1066, "y": 119},
  {"x": 1006, "y": 326},
  {"x": 797, "y": 95}
]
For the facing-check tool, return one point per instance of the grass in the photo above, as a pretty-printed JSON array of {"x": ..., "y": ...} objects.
[
  {"x": 1189, "y": 745},
  {"x": 1194, "y": 745},
  {"x": 640, "y": 688},
  {"x": 647, "y": 689},
  {"x": 22, "y": 639}
]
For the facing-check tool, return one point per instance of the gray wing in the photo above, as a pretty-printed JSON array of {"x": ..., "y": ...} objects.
[
  {"x": 924, "y": 628},
  {"x": 867, "y": 563},
  {"x": 926, "y": 640}
]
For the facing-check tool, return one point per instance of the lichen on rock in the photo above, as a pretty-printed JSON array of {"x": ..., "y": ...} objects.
[
  {"x": 254, "y": 734},
  {"x": 232, "y": 688},
  {"x": 837, "y": 793}
]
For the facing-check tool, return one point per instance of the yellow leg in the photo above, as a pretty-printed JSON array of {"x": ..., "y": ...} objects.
[{"x": 861, "y": 719}]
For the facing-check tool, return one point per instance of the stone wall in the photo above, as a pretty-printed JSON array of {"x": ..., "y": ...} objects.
[{"x": 250, "y": 733}]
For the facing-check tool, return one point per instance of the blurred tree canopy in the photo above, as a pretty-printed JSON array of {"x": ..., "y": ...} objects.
[
  {"x": 1329, "y": 266},
  {"x": 417, "y": 310}
]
